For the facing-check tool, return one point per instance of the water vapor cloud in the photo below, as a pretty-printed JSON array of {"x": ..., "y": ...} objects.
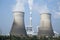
[{"x": 19, "y": 6}]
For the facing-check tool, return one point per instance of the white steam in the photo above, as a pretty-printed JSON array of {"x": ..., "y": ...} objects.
[
  {"x": 19, "y": 6},
  {"x": 43, "y": 9},
  {"x": 30, "y": 2}
]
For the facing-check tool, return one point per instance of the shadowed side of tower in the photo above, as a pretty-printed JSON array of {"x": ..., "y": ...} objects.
[
  {"x": 45, "y": 28},
  {"x": 18, "y": 27}
]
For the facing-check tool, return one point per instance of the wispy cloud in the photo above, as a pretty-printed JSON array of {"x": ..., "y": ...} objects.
[
  {"x": 19, "y": 6},
  {"x": 56, "y": 32},
  {"x": 44, "y": 9},
  {"x": 30, "y": 2},
  {"x": 57, "y": 15},
  {"x": 41, "y": 8},
  {"x": 58, "y": 3}
]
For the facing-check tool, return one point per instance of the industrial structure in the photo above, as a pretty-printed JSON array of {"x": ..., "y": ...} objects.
[
  {"x": 29, "y": 31},
  {"x": 18, "y": 27},
  {"x": 45, "y": 28},
  {"x": 30, "y": 2},
  {"x": 29, "y": 28}
]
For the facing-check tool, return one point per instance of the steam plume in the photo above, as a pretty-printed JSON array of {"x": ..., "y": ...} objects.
[
  {"x": 44, "y": 9},
  {"x": 41, "y": 8},
  {"x": 30, "y": 4},
  {"x": 19, "y": 6}
]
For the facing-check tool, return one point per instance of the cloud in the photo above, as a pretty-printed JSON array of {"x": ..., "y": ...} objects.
[
  {"x": 44, "y": 9},
  {"x": 19, "y": 6},
  {"x": 30, "y": 2},
  {"x": 56, "y": 32},
  {"x": 58, "y": 3},
  {"x": 41, "y": 8},
  {"x": 57, "y": 15}
]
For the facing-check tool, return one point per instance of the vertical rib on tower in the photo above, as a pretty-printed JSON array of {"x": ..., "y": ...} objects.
[
  {"x": 45, "y": 28},
  {"x": 18, "y": 27}
]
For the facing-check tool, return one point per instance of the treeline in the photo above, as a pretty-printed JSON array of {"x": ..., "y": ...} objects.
[
  {"x": 28, "y": 38},
  {"x": 2, "y": 37}
]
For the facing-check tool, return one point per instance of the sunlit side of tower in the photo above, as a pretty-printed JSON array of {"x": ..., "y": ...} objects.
[
  {"x": 18, "y": 27},
  {"x": 45, "y": 28}
]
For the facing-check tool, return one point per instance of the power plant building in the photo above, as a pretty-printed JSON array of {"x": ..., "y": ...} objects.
[
  {"x": 29, "y": 31},
  {"x": 18, "y": 27},
  {"x": 45, "y": 28}
]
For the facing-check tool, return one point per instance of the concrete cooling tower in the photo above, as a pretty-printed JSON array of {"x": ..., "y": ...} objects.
[
  {"x": 18, "y": 27},
  {"x": 45, "y": 28}
]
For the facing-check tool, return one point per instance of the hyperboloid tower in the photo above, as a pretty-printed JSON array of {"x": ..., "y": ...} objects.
[
  {"x": 45, "y": 28},
  {"x": 18, "y": 27}
]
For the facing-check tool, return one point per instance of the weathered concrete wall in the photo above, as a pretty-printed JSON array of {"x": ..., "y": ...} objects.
[
  {"x": 18, "y": 27},
  {"x": 45, "y": 28}
]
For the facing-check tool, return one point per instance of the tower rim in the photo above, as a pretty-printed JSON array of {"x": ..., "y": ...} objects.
[
  {"x": 18, "y": 12},
  {"x": 45, "y": 13}
]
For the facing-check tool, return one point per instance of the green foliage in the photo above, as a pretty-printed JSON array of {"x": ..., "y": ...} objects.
[
  {"x": 34, "y": 38},
  {"x": 43, "y": 38},
  {"x": 28, "y": 38},
  {"x": 4, "y": 37}
]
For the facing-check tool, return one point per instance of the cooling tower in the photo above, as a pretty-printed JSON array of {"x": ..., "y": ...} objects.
[
  {"x": 45, "y": 28},
  {"x": 18, "y": 27}
]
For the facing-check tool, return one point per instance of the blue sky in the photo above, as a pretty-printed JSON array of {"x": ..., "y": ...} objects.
[{"x": 39, "y": 6}]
